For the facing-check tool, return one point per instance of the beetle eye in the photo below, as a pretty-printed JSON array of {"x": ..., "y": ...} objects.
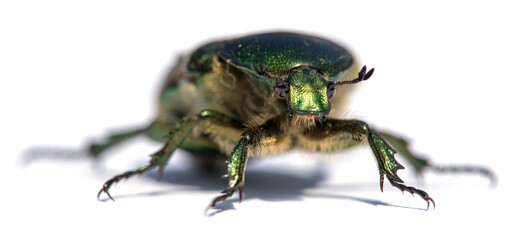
[
  {"x": 282, "y": 90},
  {"x": 331, "y": 90}
]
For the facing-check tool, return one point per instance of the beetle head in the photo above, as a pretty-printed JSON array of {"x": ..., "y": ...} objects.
[{"x": 307, "y": 92}]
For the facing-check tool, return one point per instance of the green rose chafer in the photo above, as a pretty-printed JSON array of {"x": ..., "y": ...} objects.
[{"x": 266, "y": 94}]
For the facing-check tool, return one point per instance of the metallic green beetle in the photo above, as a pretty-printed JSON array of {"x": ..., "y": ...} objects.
[{"x": 265, "y": 94}]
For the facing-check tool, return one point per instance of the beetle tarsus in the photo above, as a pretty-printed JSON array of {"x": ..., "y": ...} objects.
[
  {"x": 424, "y": 195},
  {"x": 107, "y": 185},
  {"x": 221, "y": 198},
  {"x": 105, "y": 189}
]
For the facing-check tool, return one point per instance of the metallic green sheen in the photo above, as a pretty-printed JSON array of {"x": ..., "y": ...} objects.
[
  {"x": 385, "y": 156},
  {"x": 275, "y": 54},
  {"x": 237, "y": 165},
  {"x": 308, "y": 91}
]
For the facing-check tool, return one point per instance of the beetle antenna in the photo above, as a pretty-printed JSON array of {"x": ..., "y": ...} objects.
[{"x": 362, "y": 76}]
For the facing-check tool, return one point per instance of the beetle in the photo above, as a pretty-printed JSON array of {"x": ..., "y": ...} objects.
[{"x": 265, "y": 94}]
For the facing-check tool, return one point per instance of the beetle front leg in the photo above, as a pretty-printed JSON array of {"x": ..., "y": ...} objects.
[
  {"x": 384, "y": 153},
  {"x": 261, "y": 140},
  {"x": 236, "y": 170}
]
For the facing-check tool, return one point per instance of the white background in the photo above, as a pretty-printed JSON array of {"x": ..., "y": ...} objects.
[{"x": 70, "y": 72}]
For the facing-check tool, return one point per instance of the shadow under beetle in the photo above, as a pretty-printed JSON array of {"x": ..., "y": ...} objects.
[{"x": 266, "y": 94}]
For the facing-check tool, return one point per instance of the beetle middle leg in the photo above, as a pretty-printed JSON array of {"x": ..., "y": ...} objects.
[
  {"x": 179, "y": 132},
  {"x": 338, "y": 132}
]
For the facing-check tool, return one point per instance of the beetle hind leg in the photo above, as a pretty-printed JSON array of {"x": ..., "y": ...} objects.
[
  {"x": 465, "y": 169},
  {"x": 236, "y": 170},
  {"x": 95, "y": 149},
  {"x": 420, "y": 164}
]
